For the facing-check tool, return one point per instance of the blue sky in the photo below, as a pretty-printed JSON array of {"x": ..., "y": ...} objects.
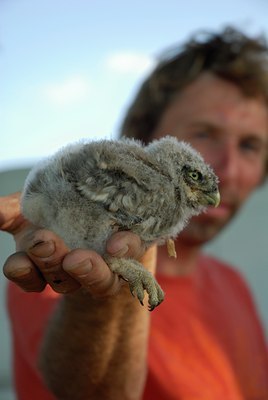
[{"x": 70, "y": 68}]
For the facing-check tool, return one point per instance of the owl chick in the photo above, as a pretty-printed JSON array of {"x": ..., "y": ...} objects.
[{"x": 89, "y": 190}]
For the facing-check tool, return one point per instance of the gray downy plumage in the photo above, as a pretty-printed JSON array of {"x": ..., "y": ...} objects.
[{"x": 89, "y": 190}]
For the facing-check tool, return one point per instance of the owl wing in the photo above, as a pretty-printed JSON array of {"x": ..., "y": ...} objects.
[{"x": 133, "y": 192}]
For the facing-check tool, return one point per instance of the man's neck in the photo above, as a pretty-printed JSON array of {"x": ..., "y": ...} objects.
[{"x": 185, "y": 263}]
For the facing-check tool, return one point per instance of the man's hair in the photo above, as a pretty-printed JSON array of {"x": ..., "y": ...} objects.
[{"x": 229, "y": 54}]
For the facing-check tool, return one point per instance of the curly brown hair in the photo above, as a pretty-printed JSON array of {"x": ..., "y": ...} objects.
[{"x": 230, "y": 54}]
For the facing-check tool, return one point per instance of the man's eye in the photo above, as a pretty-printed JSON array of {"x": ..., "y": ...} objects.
[
  {"x": 201, "y": 135},
  {"x": 251, "y": 146}
]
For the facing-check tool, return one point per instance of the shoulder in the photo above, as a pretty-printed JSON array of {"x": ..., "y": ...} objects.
[
  {"x": 227, "y": 277},
  {"x": 216, "y": 267}
]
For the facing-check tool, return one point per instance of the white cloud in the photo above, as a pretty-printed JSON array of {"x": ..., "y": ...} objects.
[
  {"x": 129, "y": 62},
  {"x": 72, "y": 90}
]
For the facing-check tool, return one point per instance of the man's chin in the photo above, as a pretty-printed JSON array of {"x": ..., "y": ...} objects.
[
  {"x": 222, "y": 212},
  {"x": 204, "y": 228}
]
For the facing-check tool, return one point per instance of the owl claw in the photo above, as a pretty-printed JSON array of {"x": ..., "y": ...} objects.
[
  {"x": 139, "y": 280},
  {"x": 147, "y": 283},
  {"x": 124, "y": 279},
  {"x": 136, "y": 289}
]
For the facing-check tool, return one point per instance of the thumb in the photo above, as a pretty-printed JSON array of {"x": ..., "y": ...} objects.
[{"x": 11, "y": 219}]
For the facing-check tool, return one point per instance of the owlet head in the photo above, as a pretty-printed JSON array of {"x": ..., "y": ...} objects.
[
  {"x": 195, "y": 181},
  {"x": 200, "y": 186}
]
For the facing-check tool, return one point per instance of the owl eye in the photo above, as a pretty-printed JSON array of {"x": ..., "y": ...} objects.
[{"x": 195, "y": 175}]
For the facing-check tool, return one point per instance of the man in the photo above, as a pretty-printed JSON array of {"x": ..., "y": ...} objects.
[{"x": 205, "y": 341}]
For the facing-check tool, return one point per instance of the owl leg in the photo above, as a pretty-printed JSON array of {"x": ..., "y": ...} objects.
[{"x": 138, "y": 278}]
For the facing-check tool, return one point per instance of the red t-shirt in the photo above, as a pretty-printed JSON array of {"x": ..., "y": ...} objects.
[{"x": 206, "y": 342}]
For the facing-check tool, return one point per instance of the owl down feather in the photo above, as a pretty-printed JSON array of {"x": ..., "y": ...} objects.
[{"x": 89, "y": 190}]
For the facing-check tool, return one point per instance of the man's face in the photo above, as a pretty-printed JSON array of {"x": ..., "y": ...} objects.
[{"x": 231, "y": 132}]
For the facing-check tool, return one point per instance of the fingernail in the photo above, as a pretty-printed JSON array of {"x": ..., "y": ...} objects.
[
  {"x": 81, "y": 268},
  {"x": 20, "y": 272},
  {"x": 120, "y": 252},
  {"x": 43, "y": 249}
]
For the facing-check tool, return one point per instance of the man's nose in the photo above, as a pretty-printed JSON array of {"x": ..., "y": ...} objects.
[{"x": 227, "y": 164}]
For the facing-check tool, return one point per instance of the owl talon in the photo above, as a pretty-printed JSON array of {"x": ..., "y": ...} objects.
[
  {"x": 139, "y": 280},
  {"x": 124, "y": 279},
  {"x": 147, "y": 283},
  {"x": 136, "y": 289}
]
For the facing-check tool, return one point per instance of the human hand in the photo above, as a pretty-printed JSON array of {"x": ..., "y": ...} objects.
[{"x": 43, "y": 258}]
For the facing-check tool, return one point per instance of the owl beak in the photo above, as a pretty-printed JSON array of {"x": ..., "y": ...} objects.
[{"x": 213, "y": 199}]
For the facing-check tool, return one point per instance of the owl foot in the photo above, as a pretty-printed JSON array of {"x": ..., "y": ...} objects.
[{"x": 138, "y": 278}]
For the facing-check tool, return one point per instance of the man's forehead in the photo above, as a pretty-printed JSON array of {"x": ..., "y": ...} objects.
[
  {"x": 214, "y": 103},
  {"x": 210, "y": 89},
  {"x": 217, "y": 100}
]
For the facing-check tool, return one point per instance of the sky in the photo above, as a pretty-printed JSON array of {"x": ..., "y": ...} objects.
[{"x": 69, "y": 69}]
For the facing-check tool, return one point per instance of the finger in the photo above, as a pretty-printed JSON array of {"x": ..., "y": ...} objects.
[
  {"x": 90, "y": 270},
  {"x": 19, "y": 269},
  {"x": 125, "y": 244},
  {"x": 11, "y": 219},
  {"x": 47, "y": 252}
]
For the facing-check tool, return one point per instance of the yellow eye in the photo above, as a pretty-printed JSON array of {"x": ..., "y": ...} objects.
[{"x": 195, "y": 175}]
